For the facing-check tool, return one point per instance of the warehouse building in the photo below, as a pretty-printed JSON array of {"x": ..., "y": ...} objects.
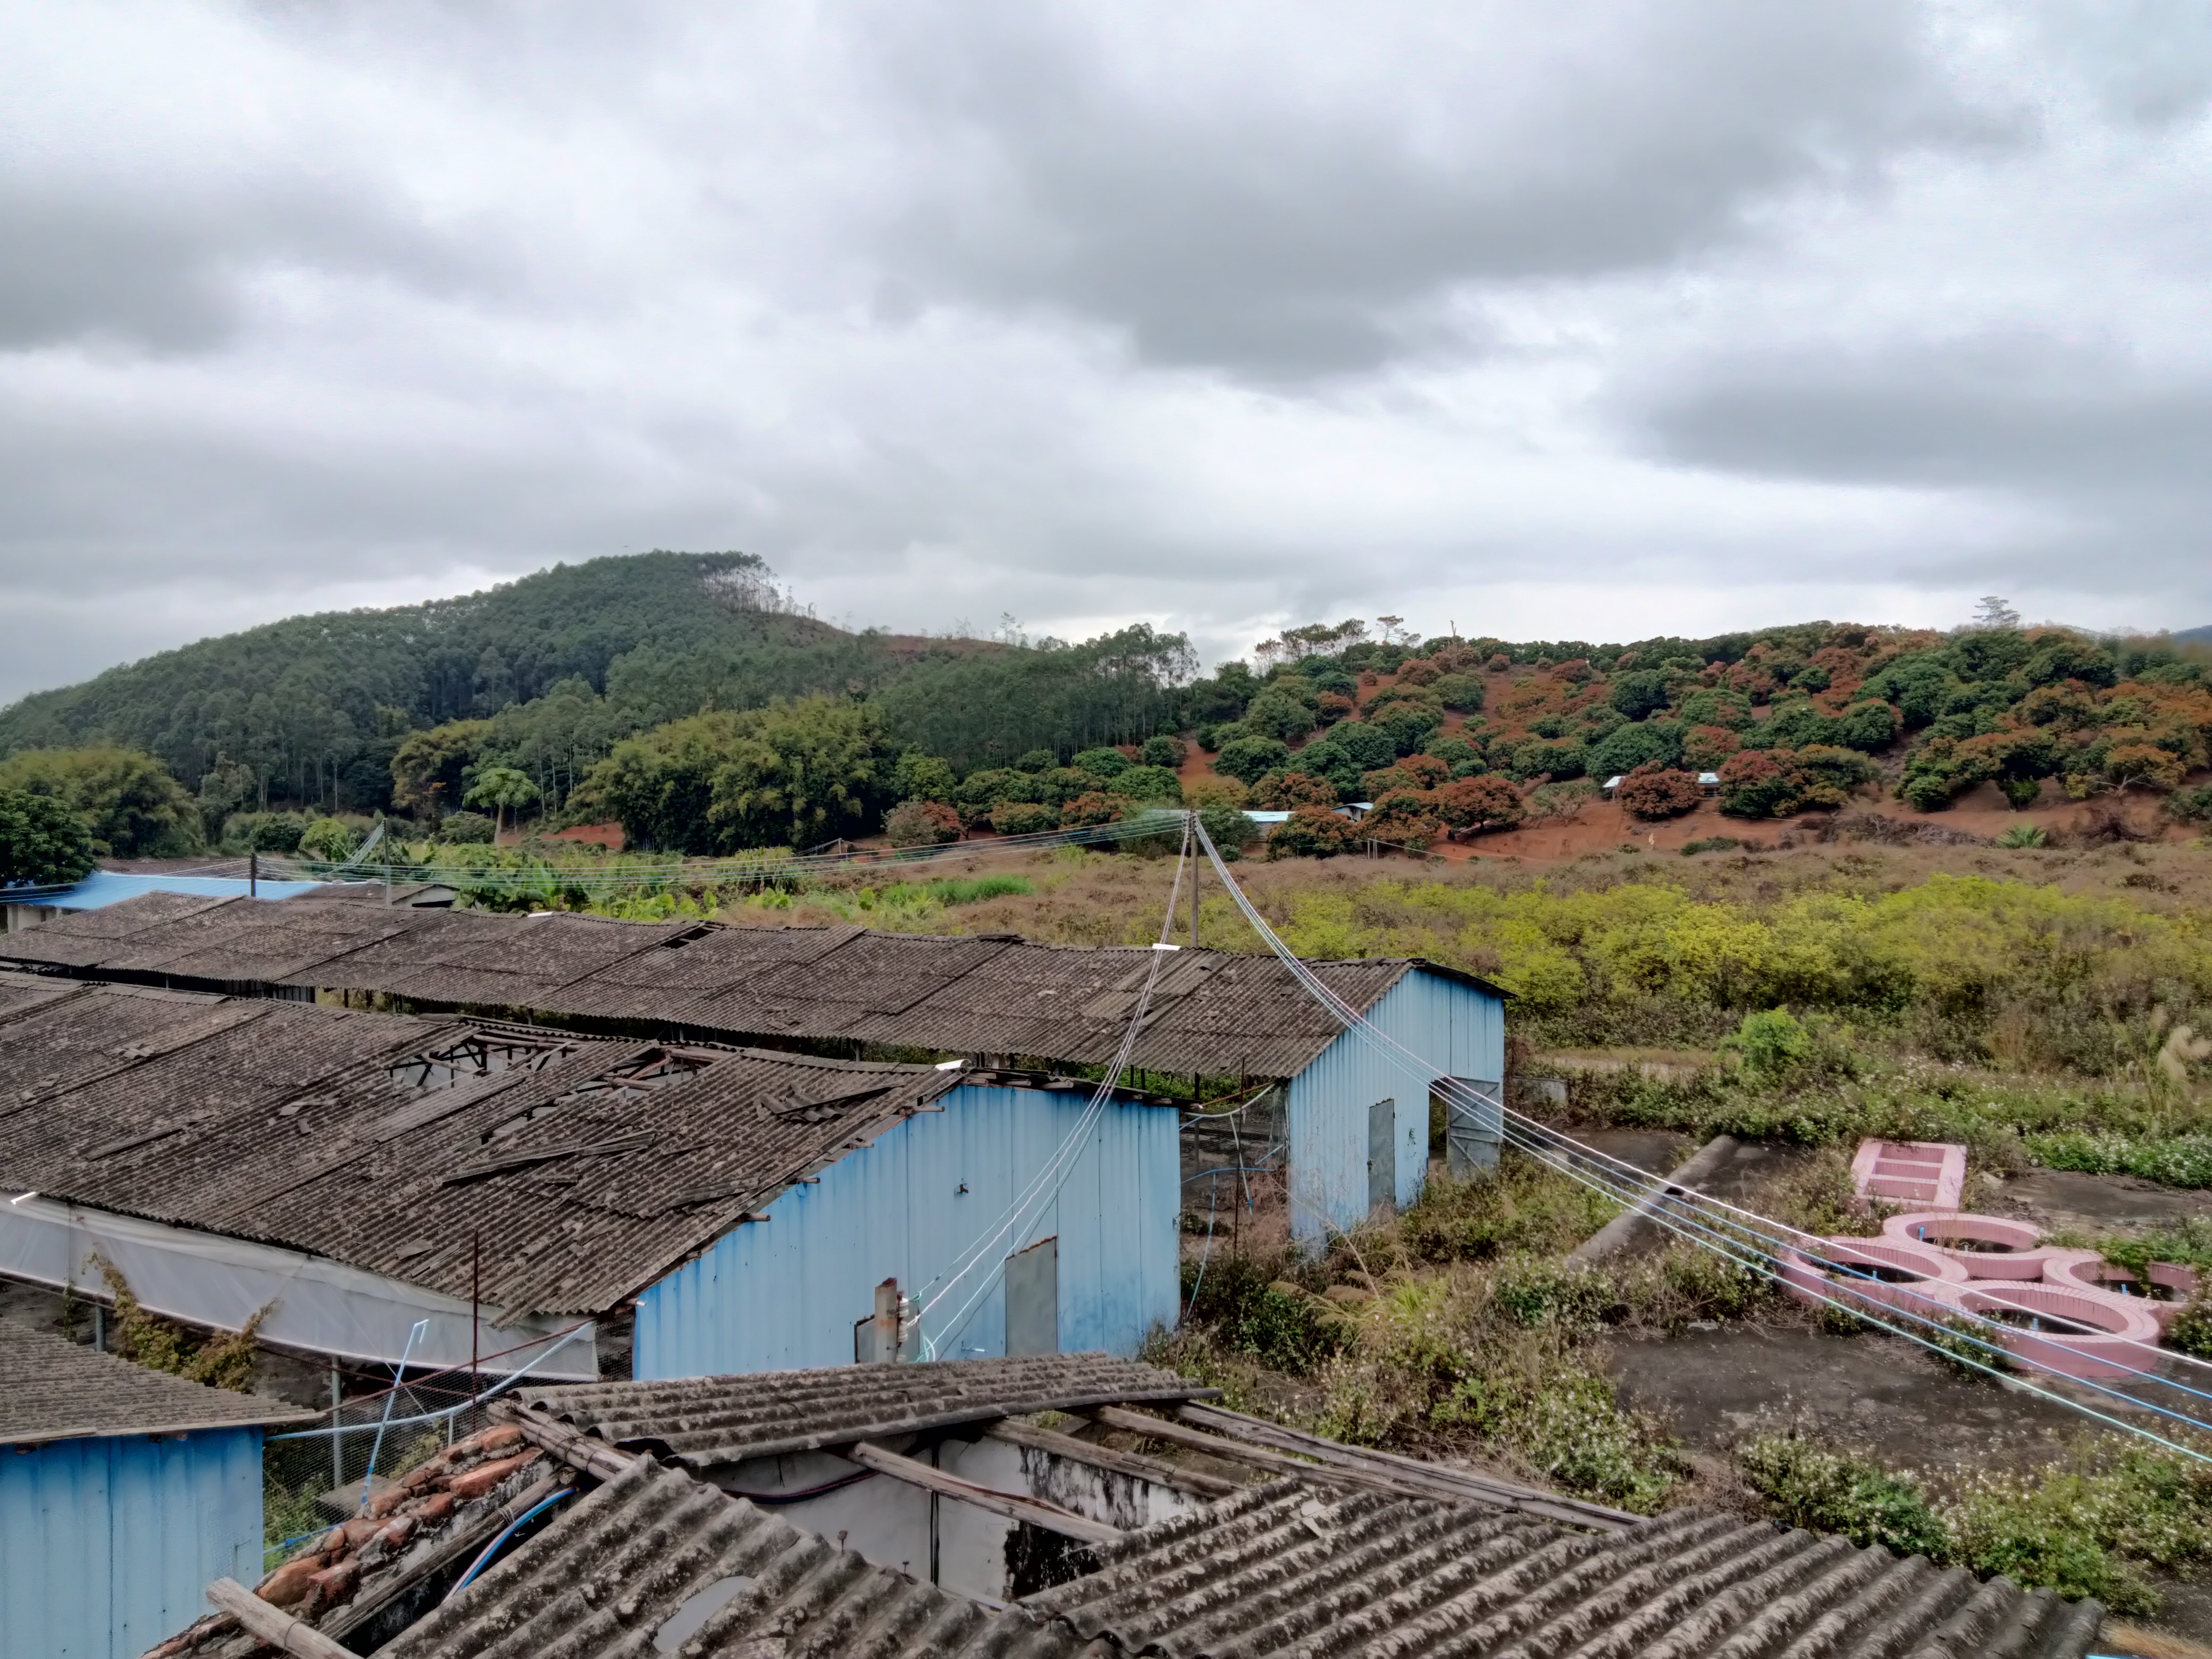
[
  {"x": 1353, "y": 1117},
  {"x": 376, "y": 1187}
]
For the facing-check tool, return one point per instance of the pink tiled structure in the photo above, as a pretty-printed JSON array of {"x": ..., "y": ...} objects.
[
  {"x": 2168, "y": 1292},
  {"x": 2068, "y": 1311},
  {"x": 1986, "y": 1246},
  {"x": 2120, "y": 1339},
  {"x": 1889, "y": 1271},
  {"x": 1922, "y": 1175}
]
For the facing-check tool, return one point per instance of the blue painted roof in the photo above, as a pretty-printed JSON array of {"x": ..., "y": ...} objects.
[{"x": 104, "y": 887}]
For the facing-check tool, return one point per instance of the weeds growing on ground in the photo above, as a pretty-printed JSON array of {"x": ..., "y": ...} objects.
[{"x": 2092, "y": 1525}]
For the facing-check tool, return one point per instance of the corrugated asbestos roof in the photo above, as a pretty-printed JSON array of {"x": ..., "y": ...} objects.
[
  {"x": 995, "y": 994},
  {"x": 590, "y": 1166},
  {"x": 656, "y": 1560},
  {"x": 706, "y": 1421},
  {"x": 52, "y": 1389},
  {"x": 1285, "y": 1570}
]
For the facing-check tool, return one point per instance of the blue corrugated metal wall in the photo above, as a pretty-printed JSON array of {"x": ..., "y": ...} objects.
[
  {"x": 1455, "y": 1028},
  {"x": 785, "y": 1292},
  {"x": 108, "y": 1546}
]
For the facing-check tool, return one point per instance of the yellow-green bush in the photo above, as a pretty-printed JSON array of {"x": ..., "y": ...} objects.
[{"x": 1951, "y": 956}]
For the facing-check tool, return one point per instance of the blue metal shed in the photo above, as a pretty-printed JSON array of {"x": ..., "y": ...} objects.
[
  {"x": 124, "y": 1493},
  {"x": 1358, "y": 1115},
  {"x": 1094, "y": 1256}
]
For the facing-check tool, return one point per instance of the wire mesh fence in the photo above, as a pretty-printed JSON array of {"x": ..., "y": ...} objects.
[{"x": 312, "y": 1479}]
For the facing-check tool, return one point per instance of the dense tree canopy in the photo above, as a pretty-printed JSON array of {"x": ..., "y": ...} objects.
[
  {"x": 41, "y": 840},
  {"x": 791, "y": 774},
  {"x": 130, "y": 806}
]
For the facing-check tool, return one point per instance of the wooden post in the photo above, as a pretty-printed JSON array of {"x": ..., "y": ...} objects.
[
  {"x": 1196, "y": 858},
  {"x": 272, "y": 1624},
  {"x": 475, "y": 1305},
  {"x": 1036, "y": 1511},
  {"x": 252, "y": 875}
]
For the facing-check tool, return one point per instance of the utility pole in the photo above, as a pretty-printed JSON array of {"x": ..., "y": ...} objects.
[{"x": 1193, "y": 886}]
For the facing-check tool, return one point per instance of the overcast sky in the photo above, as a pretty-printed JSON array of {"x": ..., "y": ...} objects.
[{"x": 1585, "y": 321}]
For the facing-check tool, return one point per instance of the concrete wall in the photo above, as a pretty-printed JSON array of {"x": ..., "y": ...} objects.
[
  {"x": 785, "y": 1293},
  {"x": 108, "y": 1546},
  {"x": 1456, "y": 1030}
]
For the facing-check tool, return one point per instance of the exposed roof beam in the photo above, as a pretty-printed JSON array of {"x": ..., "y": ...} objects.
[
  {"x": 1050, "y": 1516},
  {"x": 1134, "y": 1464}
]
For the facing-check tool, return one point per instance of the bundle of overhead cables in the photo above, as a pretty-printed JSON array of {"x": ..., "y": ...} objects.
[
  {"x": 1761, "y": 1246},
  {"x": 978, "y": 1267}
]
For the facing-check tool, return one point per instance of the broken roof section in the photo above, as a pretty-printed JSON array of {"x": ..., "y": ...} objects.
[
  {"x": 589, "y": 1167},
  {"x": 707, "y": 1422},
  {"x": 51, "y": 1389},
  {"x": 998, "y": 995}
]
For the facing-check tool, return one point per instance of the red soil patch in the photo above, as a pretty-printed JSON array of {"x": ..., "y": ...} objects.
[{"x": 609, "y": 836}]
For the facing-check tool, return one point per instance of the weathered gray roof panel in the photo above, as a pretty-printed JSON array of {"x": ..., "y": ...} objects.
[
  {"x": 52, "y": 1389},
  {"x": 617, "y": 1567},
  {"x": 706, "y": 1421},
  {"x": 1286, "y": 1570},
  {"x": 1278, "y": 1571},
  {"x": 1213, "y": 1010},
  {"x": 293, "y": 1124}
]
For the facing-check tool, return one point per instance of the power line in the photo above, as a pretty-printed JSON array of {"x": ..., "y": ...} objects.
[{"x": 1523, "y": 1133}]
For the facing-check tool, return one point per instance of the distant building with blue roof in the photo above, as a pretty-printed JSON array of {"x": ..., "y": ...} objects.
[{"x": 25, "y": 906}]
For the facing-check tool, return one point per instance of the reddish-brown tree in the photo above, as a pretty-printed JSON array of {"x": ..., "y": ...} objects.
[{"x": 1658, "y": 792}]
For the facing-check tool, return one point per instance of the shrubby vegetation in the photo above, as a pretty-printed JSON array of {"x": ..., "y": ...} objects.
[
  {"x": 1966, "y": 965},
  {"x": 130, "y": 806},
  {"x": 41, "y": 840},
  {"x": 627, "y": 687},
  {"x": 2090, "y": 1526}
]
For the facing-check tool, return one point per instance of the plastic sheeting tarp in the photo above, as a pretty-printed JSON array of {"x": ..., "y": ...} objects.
[{"x": 313, "y": 1302}]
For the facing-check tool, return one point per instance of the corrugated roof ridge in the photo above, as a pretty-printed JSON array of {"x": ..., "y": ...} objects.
[
  {"x": 1602, "y": 1592},
  {"x": 1512, "y": 1600},
  {"x": 156, "y": 1401}
]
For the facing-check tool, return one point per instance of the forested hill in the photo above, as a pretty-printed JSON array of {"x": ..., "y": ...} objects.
[
  {"x": 327, "y": 683},
  {"x": 566, "y": 663}
]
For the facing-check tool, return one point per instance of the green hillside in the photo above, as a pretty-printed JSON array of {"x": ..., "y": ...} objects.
[{"x": 310, "y": 711}]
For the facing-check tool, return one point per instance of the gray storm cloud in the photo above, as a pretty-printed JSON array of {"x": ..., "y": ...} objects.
[{"x": 1593, "y": 318}]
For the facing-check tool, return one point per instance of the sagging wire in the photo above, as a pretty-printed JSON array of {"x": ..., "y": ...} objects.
[
  {"x": 1355, "y": 1020},
  {"x": 1212, "y": 1210},
  {"x": 560, "y": 1341},
  {"x": 492, "y": 1548},
  {"x": 1448, "y": 1085},
  {"x": 1947, "y": 1319},
  {"x": 983, "y": 1251},
  {"x": 1783, "y": 1236},
  {"x": 1765, "y": 1266}
]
